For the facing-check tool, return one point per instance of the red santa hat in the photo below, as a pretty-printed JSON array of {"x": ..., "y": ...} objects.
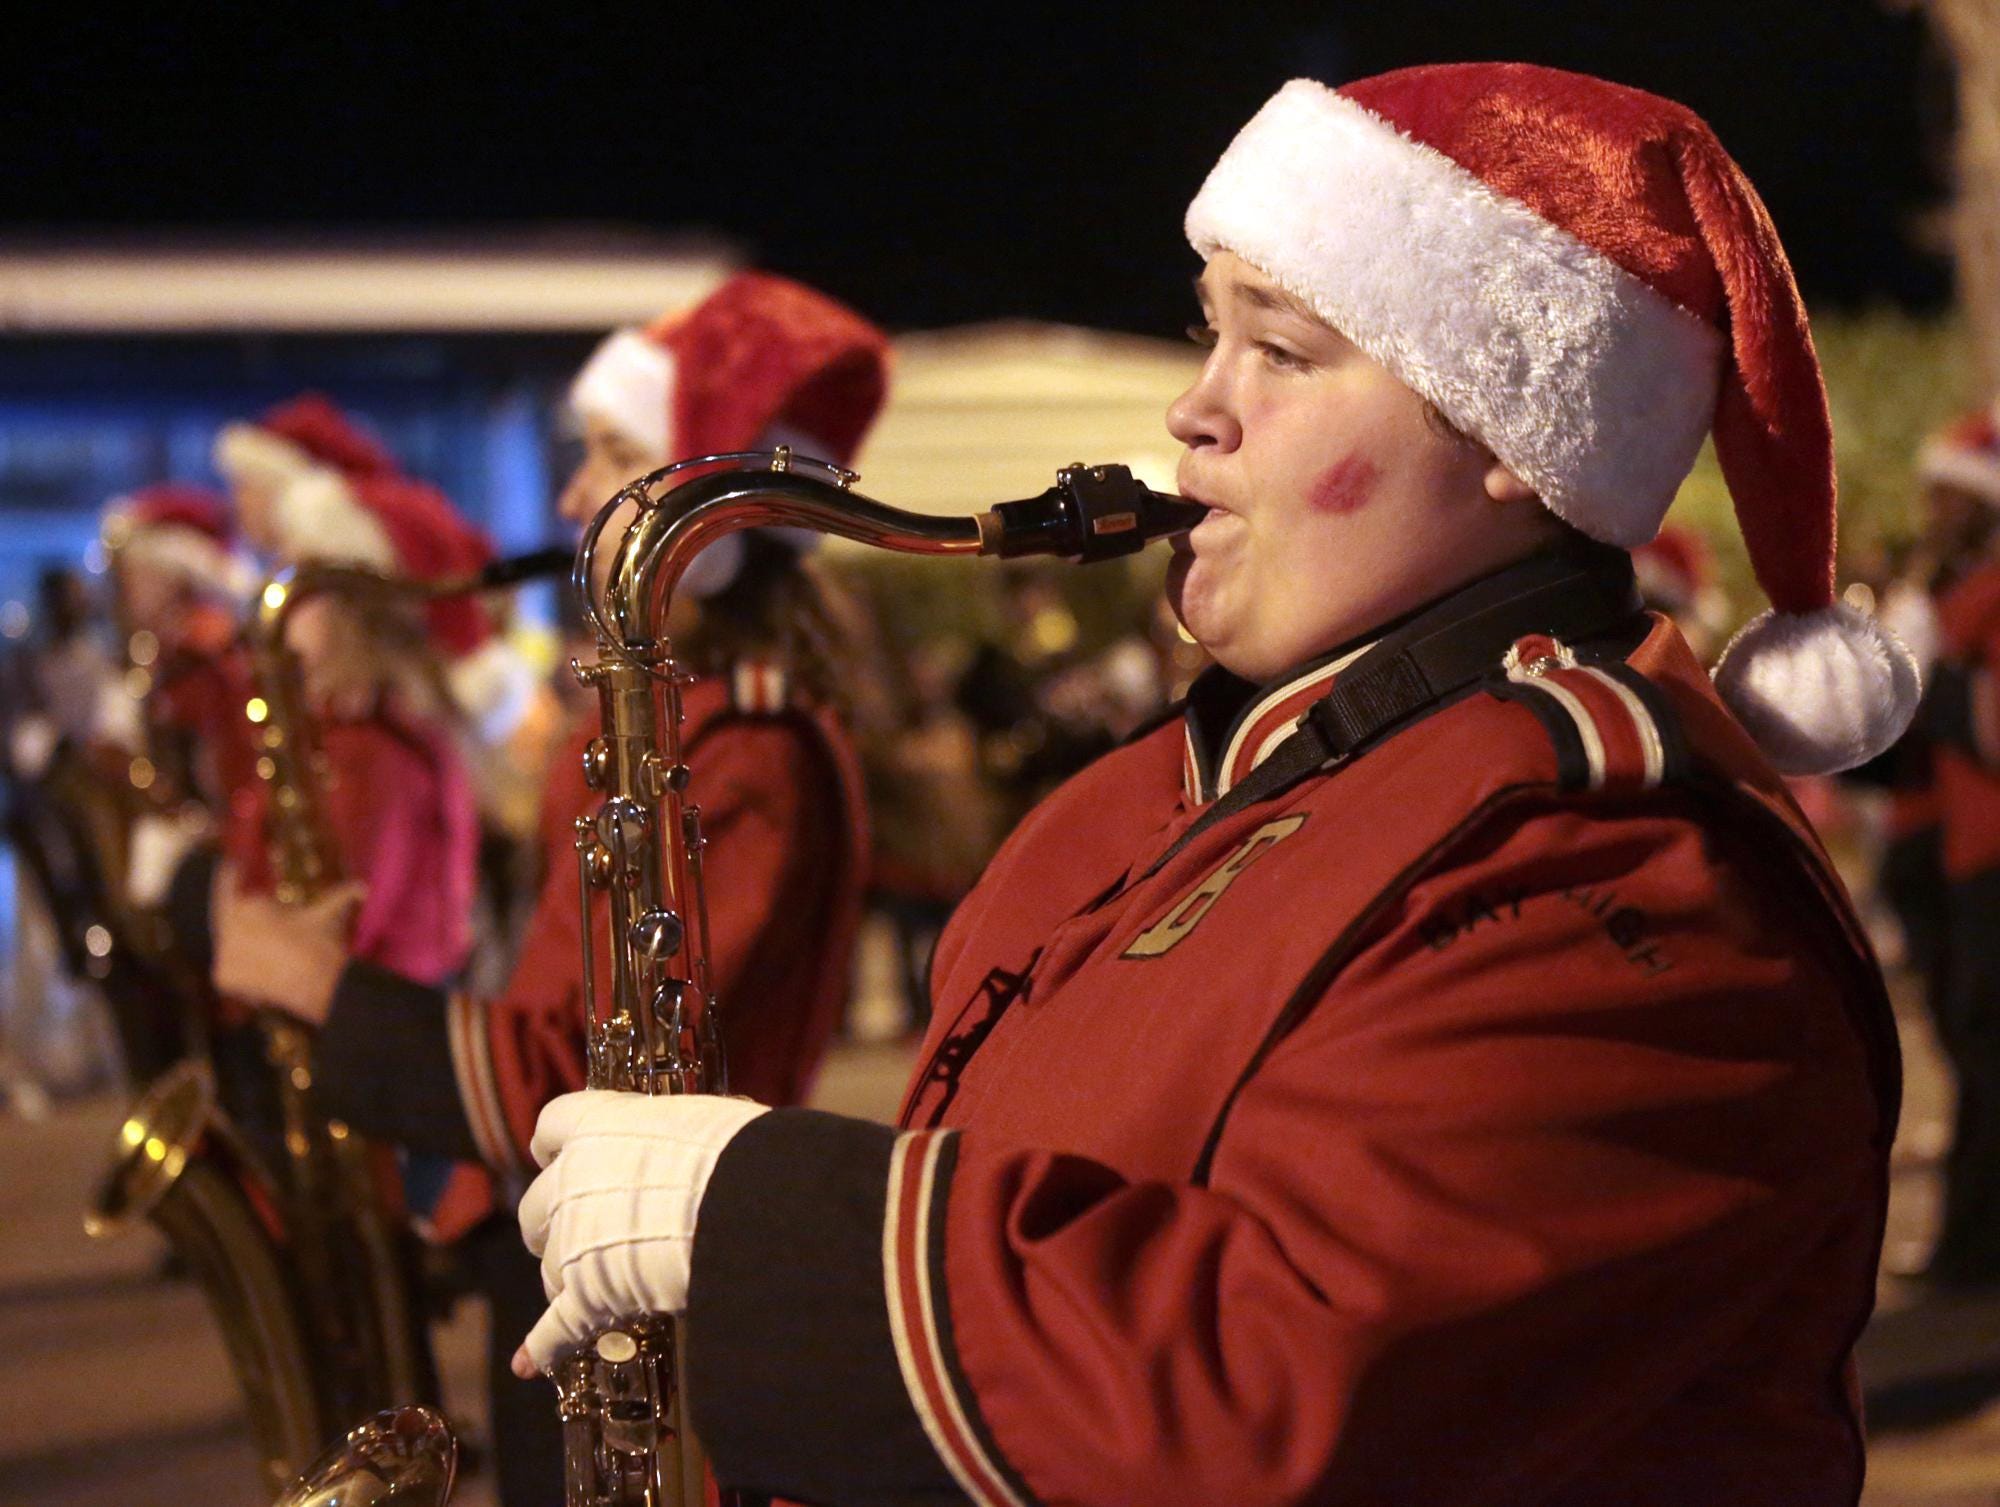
[
  {"x": 296, "y": 436},
  {"x": 183, "y": 530},
  {"x": 402, "y": 527},
  {"x": 1966, "y": 454},
  {"x": 1578, "y": 275},
  {"x": 762, "y": 361},
  {"x": 1674, "y": 568}
]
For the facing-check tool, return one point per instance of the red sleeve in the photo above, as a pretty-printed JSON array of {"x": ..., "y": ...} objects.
[
  {"x": 1589, "y": 1074},
  {"x": 775, "y": 822},
  {"x": 376, "y": 798},
  {"x": 767, "y": 806}
]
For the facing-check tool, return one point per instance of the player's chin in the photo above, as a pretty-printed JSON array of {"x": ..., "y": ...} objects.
[{"x": 1192, "y": 591}]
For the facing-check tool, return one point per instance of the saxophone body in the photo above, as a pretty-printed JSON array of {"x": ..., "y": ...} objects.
[
  {"x": 349, "y": 1251},
  {"x": 623, "y": 1397},
  {"x": 652, "y": 1024}
]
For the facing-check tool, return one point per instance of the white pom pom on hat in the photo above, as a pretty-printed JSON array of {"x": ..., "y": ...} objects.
[
  {"x": 1809, "y": 686},
  {"x": 1578, "y": 275}
]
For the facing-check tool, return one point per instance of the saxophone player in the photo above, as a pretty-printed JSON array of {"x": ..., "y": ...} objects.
[
  {"x": 1441, "y": 1067},
  {"x": 397, "y": 797},
  {"x": 761, "y": 360}
]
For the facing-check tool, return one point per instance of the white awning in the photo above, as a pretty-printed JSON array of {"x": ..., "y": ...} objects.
[
  {"x": 487, "y": 285},
  {"x": 987, "y": 413}
]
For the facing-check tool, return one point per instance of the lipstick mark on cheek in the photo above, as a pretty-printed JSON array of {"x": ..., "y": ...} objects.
[{"x": 1347, "y": 486}]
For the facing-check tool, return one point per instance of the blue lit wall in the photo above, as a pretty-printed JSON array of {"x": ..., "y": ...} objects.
[{"x": 83, "y": 421}]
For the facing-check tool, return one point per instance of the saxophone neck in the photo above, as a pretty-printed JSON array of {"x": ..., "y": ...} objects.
[{"x": 1092, "y": 513}]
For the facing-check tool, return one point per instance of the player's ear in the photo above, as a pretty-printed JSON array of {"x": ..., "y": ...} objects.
[{"x": 1502, "y": 485}]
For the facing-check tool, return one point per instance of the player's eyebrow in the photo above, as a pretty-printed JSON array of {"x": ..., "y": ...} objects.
[{"x": 1277, "y": 300}]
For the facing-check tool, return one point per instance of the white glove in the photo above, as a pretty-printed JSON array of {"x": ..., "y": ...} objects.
[
  {"x": 612, "y": 1216},
  {"x": 155, "y": 849}
]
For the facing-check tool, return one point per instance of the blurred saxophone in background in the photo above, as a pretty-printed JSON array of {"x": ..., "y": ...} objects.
[{"x": 300, "y": 1255}]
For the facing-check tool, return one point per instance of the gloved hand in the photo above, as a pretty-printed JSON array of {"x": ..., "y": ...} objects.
[{"x": 612, "y": 1215}]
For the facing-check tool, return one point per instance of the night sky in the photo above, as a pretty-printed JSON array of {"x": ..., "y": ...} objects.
[{"x": 982, "y": 163}]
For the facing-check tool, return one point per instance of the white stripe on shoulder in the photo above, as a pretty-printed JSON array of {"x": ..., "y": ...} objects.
[
  {"x": 1654, "y": 746},
  {"x": 1586, "y": 727}
]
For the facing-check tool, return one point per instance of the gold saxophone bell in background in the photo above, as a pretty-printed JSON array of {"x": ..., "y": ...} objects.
[
  {"x": 303, "y": 1265},
  {"x": 627, "y": 1439}
]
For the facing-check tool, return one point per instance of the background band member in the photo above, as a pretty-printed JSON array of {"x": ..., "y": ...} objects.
[
  {"x": 395, "y": 795},
  {"x": 760, "y": 361},
  {"x": 1943, "y": 862},
  {"x": 1443, "y": 1068},
  {"x": 259, "y": 459},
  {"x": 180, "y": 586}
]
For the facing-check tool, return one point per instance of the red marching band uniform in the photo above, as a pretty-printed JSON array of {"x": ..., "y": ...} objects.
[
  {"x": 1312, "y": 1242},
  {"x": 1448, "y": 1073}
]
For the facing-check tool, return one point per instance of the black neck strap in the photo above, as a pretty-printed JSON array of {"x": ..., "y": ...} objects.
[{"x": 1575, "y": 595}]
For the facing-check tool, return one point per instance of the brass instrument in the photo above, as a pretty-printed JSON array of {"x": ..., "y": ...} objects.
[
  {"x": 303, "y": 1266},
  {"x": 623, "y": 1398}
]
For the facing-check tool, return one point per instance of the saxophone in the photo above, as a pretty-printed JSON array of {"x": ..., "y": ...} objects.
[
  {"x": 623, "y": 1396},
  {"x": 303, "y": 1266}
]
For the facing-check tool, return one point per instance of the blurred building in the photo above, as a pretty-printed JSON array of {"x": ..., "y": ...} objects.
[
  {"x": 988, "y": 412},
  {"x": 119, "y": 360}
]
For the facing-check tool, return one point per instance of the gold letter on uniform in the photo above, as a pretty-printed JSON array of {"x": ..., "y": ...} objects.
[{"x": 1166, "y": 934}]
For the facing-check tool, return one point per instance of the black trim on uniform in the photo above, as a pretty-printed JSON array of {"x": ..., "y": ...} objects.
[
  {"x": 940, "y": 1312},
  {"x": 1678, "y": 762},
  {"x": 1572, "y": 764},
  {"x": 383, "y": 1063},
  {"x": 1946, "y": 712},
  {"x": 187, "y": 907},
  {"x": 792, "y": 1371}
]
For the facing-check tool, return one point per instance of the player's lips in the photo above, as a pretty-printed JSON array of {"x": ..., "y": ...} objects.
[{"x": 1219, "y": 522}]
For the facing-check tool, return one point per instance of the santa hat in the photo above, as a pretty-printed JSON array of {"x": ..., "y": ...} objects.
[
  {"x": 296, "y": 436},
  {"x": 1966, "y": 454},
  {"x": 180, "y": 529},
  {"x": 402, "y": 527},
  {"x": 1674, "y": 568},
  {"x": 1578, "y": 275},
  {"x": 762, "y": 361}
]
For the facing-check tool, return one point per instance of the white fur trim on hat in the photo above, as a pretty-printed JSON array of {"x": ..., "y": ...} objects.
[
  {"x": 1974, "y": 472},
  {"x": 192, "y": 556},
  {"x": 803, "y": 541},
  {"x": 710, "y": 572},
  {"x": 494, "y": 686},
  {"x": 250, "y": 452},
  {"x": 1589, "y": 384},
  {"x": 1819, "y": 691},
  {"x": 317, "y": 517},
  {"x": 628, "y": 383}
]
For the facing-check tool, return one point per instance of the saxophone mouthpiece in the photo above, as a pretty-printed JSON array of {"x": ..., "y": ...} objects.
[{"x": 1092, "y": 513}]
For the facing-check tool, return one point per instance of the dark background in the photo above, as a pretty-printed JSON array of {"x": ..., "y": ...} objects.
[{"x": 975, "y": 162}]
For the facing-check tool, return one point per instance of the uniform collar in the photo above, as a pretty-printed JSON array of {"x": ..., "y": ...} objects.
[{"x": 1232, "y": 726}]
